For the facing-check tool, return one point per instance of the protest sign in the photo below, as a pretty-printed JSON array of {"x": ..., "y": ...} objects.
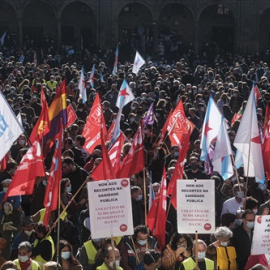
[
  {"x": 110, "y": 208},
  {"x": 261, "y": 236},
  {"x": 196, "y": 206}
]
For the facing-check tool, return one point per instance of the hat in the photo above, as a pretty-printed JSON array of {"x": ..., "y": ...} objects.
[
  {"x": 6, "y": 182},
  {"x": 27, "y": 221}
]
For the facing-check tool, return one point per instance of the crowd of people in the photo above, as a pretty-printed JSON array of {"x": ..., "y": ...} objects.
[{"x": 26, "y": 243}]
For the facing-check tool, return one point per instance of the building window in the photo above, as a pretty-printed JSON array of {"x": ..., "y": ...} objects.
[{"x": 222, "y": 10}]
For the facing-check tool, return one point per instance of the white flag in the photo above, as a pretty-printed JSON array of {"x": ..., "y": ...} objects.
[
  {"x": 248, "y": 141},
  {"x": 138, "y": 63},
  {"x": 10, "y": 128},
  {"x": 19, "y": 117},
  {"x": 82, "y": 87},
  {"x": 2, "y": 40},
  {"x": 222, "y": 154}
]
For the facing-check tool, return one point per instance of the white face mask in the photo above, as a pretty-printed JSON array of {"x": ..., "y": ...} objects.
[
  {"x": 68, "y": 189},
  {"x": 201, "y": 255},
  {"x": 65, "y": 255},
  {"x": 117, "y": 263},
  {"x": 23, "y": 258},
  {"x": 28, "y": 233},
  {"x": 5, "y": 189},
  {"x": 224, "y": 244}
]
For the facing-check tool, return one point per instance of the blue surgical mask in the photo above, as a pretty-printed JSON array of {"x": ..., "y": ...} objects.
[
  {"x": 5, "y": 189},
  {"x": 201, "y": 255},
  {"x": 176, "y": 154},
  {"x": 250, "y": 224},
  {"x": 142, "y": 242},
  {"x": 139, "y": 198},
  {"x": 240, "y": 194},
  {"x": 65, "y": 255},
  {"x": 44, "y": 182},
  {"x": 96, "y": 240}
]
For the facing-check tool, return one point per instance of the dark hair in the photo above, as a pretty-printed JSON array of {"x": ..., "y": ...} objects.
[
  {"x": 40, "y": 227},
  {"x": 80, "y": 139},
  {"x": 141, "y": 229},
  {"x": 63, "y": 184},
  {"x": 246, "y": 212},
  {"x": 150, "y": 257},
  {"x": 72, "y": 259},
  {"x": 68, "y": 161},
  {"x": 251, "y": 203},
  {"x": 175, "y": 238},
  {"x": 11, "y": 164}
]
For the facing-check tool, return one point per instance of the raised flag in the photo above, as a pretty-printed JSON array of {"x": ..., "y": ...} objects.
[
  {"x": 101, "y": 77},
  {"x": 115, "y": 153},
  {"x": 10, "y": 128},
  {"x": 72, "y": 116},
  {"x": 94, "y": 121},
  {"x": 52, "y": 189},
  {"x": 124, "y": 97},
  {"x": 237, "y": 116},
  {"x": 138, "y": 63},
  {"x": 42, "y": 125},
  {"x": 257, "y": 93},
  {"x": 19, "y": 117},
  {"x": 2, "y": 40},
  {"x": 151, "y": 193},
  {"x": 210, "y": 128},
  {"x": 57, "y": 114},
  {"x": 179, "y": 127},
  {"x": 221, "y": 160},
  {"x": 92, "y": 76},
  {"x": 3, "y": 163},
  {"x": 248, "y": 141},
  {"x": 115, "y": 62},
  {"x": 29, "y": 168},
  {"x": 104, "y": 169},
  {"x": 149, "y": 117},
  {"x": 164, "y": 128},
  {"x": 82, "y": 87},
  {"x": 266, "y": 142},
  {"x": 156, "y": 218},
  {"x": 134, "y": 160}
]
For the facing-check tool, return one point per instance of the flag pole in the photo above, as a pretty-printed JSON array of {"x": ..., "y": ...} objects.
[
  {"x": 244, "y": 206},
  {"x": 236, "y": 173},
  {"x": 113, "y": 249},
  {"x": 196, "y": 248},
  {"x": 145, "y": 208},
  {"x": 58, "y": 226}
]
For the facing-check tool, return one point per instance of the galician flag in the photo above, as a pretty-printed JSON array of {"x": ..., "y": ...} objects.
[
  {"x": 138, "y": 63},
  {"x": 82, "y": 87},
  {"x": 221, "y": 161},
  {"x": 211, "y": 127},
  {"x": 92, "y": 76},
  {"x": 115, "y": 61},
  {"x": 248, "y": 141}
]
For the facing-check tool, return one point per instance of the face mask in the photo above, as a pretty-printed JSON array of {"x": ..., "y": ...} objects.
[
  {"x": 117, "y": 263},
  {"x": 133, "y": 108},
  {"x": 28, "y": 233},
  {"x": 65, "y": 255},
  {"x": 96, "y": 240},
  {"x": 68, "y": 189},
  {"x": 22, "y": 142},
  {"x": 201, "y": 255},
  {"x": 262, "y": 187},
  {"x": 240, "y": 194},
  {"x": 80, "y": 110},
  {"x": 238, "y": 222},
  {"x": 142, "y": 242},
  {"x": 132, "y": 120},
  {"x": 250, "y": 224},
  {"x": 255, "y": 211},
  {"x": 12, "y": 91},
  {"x": 44, "y": 182},
  {"x": 23, "y": 258},
  {"x": 190, "y": 91},
  {"x": 176, "y": 154},
  {"x": 224, "y": 244},
  {"x": 139, "y": 198},
  {"x": 5, "y": 189}
]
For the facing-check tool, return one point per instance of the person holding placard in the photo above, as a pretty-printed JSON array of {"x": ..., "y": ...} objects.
[
  {"x": 203, "y": 263},
  {"x": 242, "y": 238}
]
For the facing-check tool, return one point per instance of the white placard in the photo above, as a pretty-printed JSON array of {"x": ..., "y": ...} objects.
[
  {"x": 261, "y": 236},
  {"x": 110, "y": 208},
  {"x": 196, "y": 206}
]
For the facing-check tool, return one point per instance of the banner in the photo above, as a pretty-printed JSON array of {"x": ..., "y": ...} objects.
[
  {"x": 261, "y": 236},
  {"x": 196, "y": 206},
  {"x": 110, "y": 208}
]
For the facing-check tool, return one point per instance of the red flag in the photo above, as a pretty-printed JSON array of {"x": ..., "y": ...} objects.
[
  {"x": 134, "y": 160},
  {"x": 257, "y": 93},
  {"x": 110, "y": 132},
  {"x": 29, "y": 168},
  {"x": 164, "y": 129},
  {"x": 52, "y": 189},
  {"x": 237, "y": 116},
  {"x": 4, "y": 162},
  {"x": 104, "y": 169},
  {"x": 72, "y": 116},
  {"x": 94, "y": 121},
  {"x": 42, "y": 126},
  {"x": 156, "y": 218},
  {"x": 179, "y": 126},
  {"x": 115, "y": 153},
  {"x": 266, "y": 142},
  {"x": 178, "y": 171}
]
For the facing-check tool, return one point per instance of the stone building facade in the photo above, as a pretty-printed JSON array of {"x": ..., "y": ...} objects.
[{"x": 238, "y": 25}]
